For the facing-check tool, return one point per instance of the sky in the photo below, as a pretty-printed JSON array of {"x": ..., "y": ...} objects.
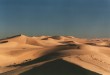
[{"x": 80, "y": 18}]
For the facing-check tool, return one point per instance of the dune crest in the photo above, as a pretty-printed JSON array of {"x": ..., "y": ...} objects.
[{"x": 22, "y": 55}]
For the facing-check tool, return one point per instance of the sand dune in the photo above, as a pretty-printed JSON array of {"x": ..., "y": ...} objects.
[{"x": 24, "y": 55}]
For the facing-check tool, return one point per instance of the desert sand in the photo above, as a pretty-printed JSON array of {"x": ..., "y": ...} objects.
[{"x": 54, "y": 55}]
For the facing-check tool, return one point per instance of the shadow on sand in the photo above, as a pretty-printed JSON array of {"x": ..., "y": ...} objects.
[{"x": 59, "y": 67}]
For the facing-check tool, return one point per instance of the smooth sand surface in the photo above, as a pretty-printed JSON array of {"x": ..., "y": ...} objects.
[{"x": 54, "y": 55}]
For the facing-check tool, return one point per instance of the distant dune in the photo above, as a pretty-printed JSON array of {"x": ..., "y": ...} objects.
[{"x": 54, "y": 55}]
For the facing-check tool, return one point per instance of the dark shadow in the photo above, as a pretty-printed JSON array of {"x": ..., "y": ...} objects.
[
  {"x": 1, "y": 42},
  {"x": 91, "y": 44},
  {"x": 41, "y": 59},
  {"x": 59, "y": 67},
  {"x": 11, "y": 37},
  {"x": 53, "y": 37},
  {"x": 51, "y": 55},
  {"x": 56, "y": 37}
]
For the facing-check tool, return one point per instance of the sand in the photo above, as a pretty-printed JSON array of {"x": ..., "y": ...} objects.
[{"x": 63, "y": 55}]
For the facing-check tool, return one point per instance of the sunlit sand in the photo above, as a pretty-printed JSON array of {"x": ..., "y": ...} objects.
[{"x": 24, "y": 55}]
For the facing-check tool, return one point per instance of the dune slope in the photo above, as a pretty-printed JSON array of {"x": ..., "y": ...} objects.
[{"x": 56, "y": 55}]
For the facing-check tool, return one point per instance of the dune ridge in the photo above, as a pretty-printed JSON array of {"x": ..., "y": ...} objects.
[{"x": 20, "y": 54}]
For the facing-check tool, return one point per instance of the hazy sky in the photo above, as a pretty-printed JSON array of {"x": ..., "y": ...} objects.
[{"x": 80, "y": 18}]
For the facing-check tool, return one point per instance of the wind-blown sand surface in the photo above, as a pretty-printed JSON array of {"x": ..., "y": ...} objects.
[{"x": 54, "y": 55}]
